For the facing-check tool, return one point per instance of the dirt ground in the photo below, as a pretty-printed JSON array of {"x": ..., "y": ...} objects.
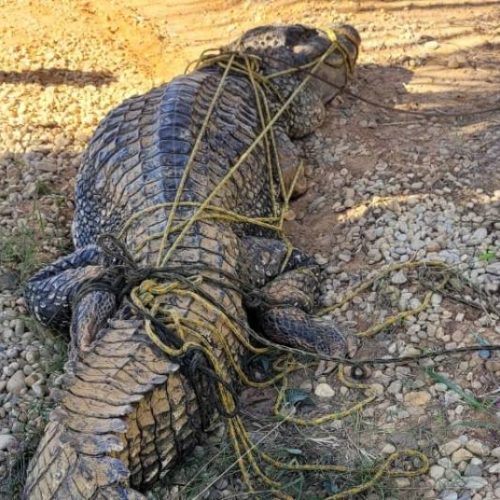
[{"x": 65, "y": 63}]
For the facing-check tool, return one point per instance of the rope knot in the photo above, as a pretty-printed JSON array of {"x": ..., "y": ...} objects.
[{"x": 150, "y": 287}]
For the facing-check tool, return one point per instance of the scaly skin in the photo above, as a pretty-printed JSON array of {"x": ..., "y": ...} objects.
[{"x": 127, "y": 413}]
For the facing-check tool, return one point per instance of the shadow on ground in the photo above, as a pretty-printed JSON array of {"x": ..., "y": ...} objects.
[{"x": 57, "y": 76}]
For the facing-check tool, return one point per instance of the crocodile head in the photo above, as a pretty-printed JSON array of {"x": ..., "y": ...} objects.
[
  {"x": 285, "y": 47},
  {"x": 289, "y": 47}
]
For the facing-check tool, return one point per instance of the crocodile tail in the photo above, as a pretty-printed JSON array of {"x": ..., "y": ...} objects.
[{"x": 115, "y": 427}]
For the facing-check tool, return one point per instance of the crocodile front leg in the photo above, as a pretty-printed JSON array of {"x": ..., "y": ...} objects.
[{"x": 50, "y": 296}]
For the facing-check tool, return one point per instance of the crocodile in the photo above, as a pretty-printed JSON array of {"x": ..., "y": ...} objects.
[{"x": 127, "y": 412}]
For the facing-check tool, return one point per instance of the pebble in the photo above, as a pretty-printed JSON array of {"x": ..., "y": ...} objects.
[
  {"x": 474, "y": 468},
  {"x": 475, "y": 483},
  {"x": 494, "y": 469},
  {"x": 436, "y": 299},
  {"x": 16, "y": 383},
  {"x": 448, "y": 495},
  {"x": 345, "y": 257},
  {"x": 395, "y": 387},
  {"x": 445, "y": 462},
  {"x": 324, "y": 390},
  {"x": 398, "y": 278},
  {"x": 493, "y": 268},
  {"x": 478, "y": 235},
  {"x": 9, "y": 280},
  {"x": 388, "y": 449},
  {"x": 477, "y": 447},
  {"x": 450, "y": 447},
  {"x": 417, "y": 398},
  {"x": 7, "y": 442},
  {"x": 431, "y": 44},
  {"x": 436, "y": 472},
  {"x": 461, "y": 455}
]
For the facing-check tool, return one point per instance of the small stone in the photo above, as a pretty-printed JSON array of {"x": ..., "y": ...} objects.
[
  {"x": 395, "y": 387},
  {"x": 495, "y": 452},
  {"x": 398, "y": 278},
  {"x": 388, "y": 449},
  {"x": 19, "y": 327},
  {"x": 416, "y": 244},
  {"x": 445, "y": 462},
  {"x": 433, "y": 246},
  {"x": 414, "y": 303},
  {"x": 475, "y": 483},
  {"x": 431, "y": 45},
  {"x": 16, "y": 383},
  {"x": 38, "y": 390},
  {"x": 494, "y": 469},
  {"x": 402, "y": 482},
  {"x": 436, "y": 472},
  {"x": 320, "y": 259},
  {"x": 32, "y": 356},
  {"x": 7, "y": 442},
  {"x": 479, "y": 235},
  {"x": 448, "y": 495},
  {"x": 417, "y": 398},
  {"x": 450, "y": 447},
  {"x": 378, "y": 389},
  {"x": 436, "y": 299},
  {"x": 324, "y": 390},
  {"x": 8, "y": 281},
  {"x": 474, "y": 468},
  {"x": 493, "y": 268},
  {"x": 374, "y": 256},
  {"x": 222, "y": 484},
  {"x": 411, "y": 351},
  {"x": 345, "y": 257},
  {"x": 460, "y": 455},
  {"x": 457, "y": 61},
  {"x": 450, "y": 256},
  {"x": 440, "y": 387},
  {"x": 475, "y": 446}
]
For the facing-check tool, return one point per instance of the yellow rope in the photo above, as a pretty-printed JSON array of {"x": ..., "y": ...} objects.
[
  {"x": 211, "y": 336},
  {"x": 190, "y": 161}
]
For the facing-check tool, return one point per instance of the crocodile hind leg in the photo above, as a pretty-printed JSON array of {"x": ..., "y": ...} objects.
[
  {"x": 284, "y": 314},
  {"x": 50, "y": 296}
]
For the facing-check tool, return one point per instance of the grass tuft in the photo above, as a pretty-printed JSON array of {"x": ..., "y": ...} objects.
[{"x": 19, "y": 250}]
